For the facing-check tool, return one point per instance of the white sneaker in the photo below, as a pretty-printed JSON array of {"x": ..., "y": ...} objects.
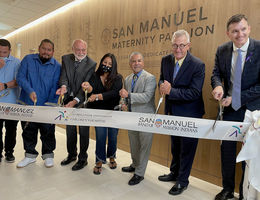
[
  {"x": 26, "y": 161},
  {"x": 48, "y": 162}
]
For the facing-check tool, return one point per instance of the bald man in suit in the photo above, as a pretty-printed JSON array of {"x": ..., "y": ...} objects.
[
  {"x": 76, "y": 69},
  {"x": 139, "y": 89}
]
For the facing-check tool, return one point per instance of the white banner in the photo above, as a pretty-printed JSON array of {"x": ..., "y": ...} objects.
[
  {"x": 250, "y": 153},
  {"x": 154, "y": 123}
]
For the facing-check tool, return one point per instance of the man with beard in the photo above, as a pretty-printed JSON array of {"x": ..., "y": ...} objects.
[
  {"x": 76, "y": 69},
  {"x": 38, "y": 77}
]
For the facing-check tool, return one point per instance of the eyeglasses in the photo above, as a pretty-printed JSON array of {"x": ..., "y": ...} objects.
[{"x": 181, "y": 46}]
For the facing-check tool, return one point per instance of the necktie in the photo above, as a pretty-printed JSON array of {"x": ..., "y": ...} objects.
[
  {"x": 76, "y": 64},
  {"x": 236, "y": 92},
  {"x": 176, "y": 69},
  {"x": 133, "y": 83},
  {"x": 75, "y": 85}
]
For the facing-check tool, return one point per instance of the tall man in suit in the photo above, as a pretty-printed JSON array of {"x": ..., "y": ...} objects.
[
  {"x": 181, "y": 81},
  {"x": 139, "y": 89},
  {"x": 76, "y": 69},
  {"x": 236, "y": 83}
]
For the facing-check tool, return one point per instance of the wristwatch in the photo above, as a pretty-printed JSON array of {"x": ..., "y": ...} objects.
[
  {"x": 96, "y": 97},
  {"x": 5, "y": 86}
]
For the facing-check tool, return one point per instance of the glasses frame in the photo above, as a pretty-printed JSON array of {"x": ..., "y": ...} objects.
[{"x": 180, "y": 46}]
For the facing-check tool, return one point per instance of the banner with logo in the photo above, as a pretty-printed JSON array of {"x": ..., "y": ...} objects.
[
  {"x": 154, "y": 123},
  {"x": 250, "y": 153}
]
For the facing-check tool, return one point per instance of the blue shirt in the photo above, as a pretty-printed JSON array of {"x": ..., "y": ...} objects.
[
  {"x": 8, "y": 73},
  {"x": 34, "y": 76}
]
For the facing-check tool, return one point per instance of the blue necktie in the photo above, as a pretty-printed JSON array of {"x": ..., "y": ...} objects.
[
  {"x": 176, "y": 69},
  {"x": 133, "y": 82},
  {"x": 236, "y": 92}
]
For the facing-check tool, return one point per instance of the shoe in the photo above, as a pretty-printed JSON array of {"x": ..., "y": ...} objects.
[
  {"x": 48, "y": 162},
  {"x": 224, "y": 195},
  {"x": 79, "y": 165},
  {"x": 98, "y": 168},
  {"x": 68, "y": 160},
  {"x": 112, "y": 163},
  {"x": 26, "y": 161},
  {"x": 135, "y": 180},
  {"x": 9, "y": 158},
  {"x": 177, "y": 189},
  {"x": 167, "y": 177},
  {"x": 128, "y": 169}
]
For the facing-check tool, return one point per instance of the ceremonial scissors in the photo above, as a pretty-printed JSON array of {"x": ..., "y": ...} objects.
[
  {"x": 220, "y": 114},
  {"x": 59, "y": 104},
  {"x": 159, "y": 103}
]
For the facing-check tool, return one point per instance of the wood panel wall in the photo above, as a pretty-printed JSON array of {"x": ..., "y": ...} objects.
[{"x": 123, "y": 26}]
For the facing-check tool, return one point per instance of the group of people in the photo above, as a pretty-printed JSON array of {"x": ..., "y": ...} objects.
[{"x": 235, "y": 82}]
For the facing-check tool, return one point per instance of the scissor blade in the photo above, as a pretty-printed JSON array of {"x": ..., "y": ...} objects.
[
  {"x": 159, "y": 103},
  {"x": 52, "y": 104}
]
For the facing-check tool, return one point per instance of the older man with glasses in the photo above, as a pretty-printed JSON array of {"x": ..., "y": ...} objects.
[{"x": 181, "y": 81}]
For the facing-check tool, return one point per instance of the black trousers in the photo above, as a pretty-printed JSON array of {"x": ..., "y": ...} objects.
[
  {"x": 71, "y": 132},
  {"x": 10, "y": 136},
  {"x": 183, "y": 150},
  {"x": 228, "y": 152},
  {"x": 30, "y": 136}
]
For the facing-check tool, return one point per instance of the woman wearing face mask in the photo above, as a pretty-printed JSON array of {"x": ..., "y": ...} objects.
[{"x": 103, "y": 93}]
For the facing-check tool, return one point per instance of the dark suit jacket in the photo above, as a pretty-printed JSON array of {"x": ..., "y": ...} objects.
[
  {"x": 185, "y": 97},
  {"x": 250, "y": 83},
  {"x": 83, "y": 73}
]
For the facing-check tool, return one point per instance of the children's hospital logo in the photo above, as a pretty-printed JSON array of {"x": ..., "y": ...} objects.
[
  {"x": 62, "y": 115},
  {"x": 158, "y": 123},
  {"x": 236, "y": 131}
]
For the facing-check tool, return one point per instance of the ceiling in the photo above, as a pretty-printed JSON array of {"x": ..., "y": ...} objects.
[{"x": 17, "y": 13}]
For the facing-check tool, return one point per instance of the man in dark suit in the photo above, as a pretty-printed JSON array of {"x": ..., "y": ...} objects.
[
  {"x": 76, "y": 69},
  {"x": 235, "y": 82},
  {"x": 181, "y": 81}
]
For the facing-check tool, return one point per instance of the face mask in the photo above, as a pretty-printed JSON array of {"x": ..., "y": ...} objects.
[{"x": 106, "y": 68}]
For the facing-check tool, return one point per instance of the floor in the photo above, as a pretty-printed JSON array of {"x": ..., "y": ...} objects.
[{"x": 35, "y": 182}]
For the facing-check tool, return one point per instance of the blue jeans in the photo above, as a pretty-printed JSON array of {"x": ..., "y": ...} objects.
[{"x": 102, "y": 133}]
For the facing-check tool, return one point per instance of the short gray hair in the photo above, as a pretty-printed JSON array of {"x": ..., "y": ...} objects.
[
  {"x": 180, "y": 33},
  {"x": 135, "y": 53}
]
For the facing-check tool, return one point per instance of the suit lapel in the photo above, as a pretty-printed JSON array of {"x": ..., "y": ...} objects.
[
  {"x": 129, "y": 82},
  {"x": 139, "y": 81},
  {"x": 171, "y": 68},
  {"x": 71, "y": 68},
  {"x": 250, "y": 56},
  {"x": 228, "y": 60}
]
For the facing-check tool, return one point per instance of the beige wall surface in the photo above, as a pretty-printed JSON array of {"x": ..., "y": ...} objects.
[{"x": 123, "y": 26}]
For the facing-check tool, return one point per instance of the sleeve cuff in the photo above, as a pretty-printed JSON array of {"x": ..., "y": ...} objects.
[{"x": 77, "y": 99}]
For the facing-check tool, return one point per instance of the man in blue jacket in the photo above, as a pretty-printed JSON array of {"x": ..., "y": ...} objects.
[{"x": 38, "y": 77}]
